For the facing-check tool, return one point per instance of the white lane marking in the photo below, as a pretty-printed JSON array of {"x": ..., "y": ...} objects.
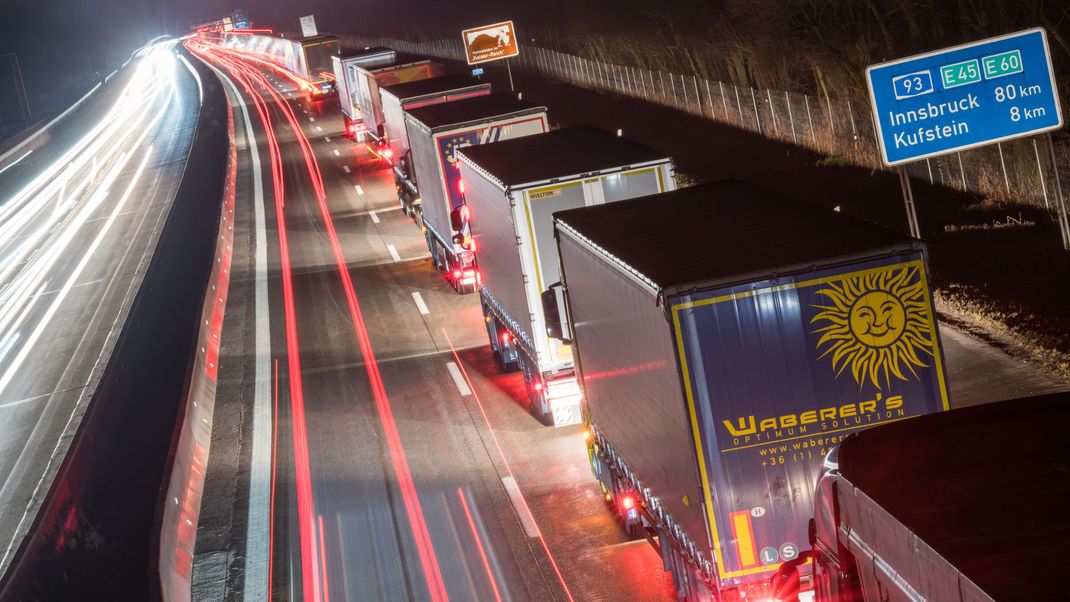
[
  {"x": 420, "y": 305},
  {"x": 375, "y": 218},
  {"x": 337, "y": 153},
  {"x": 521, "y": 509},
  {"x": 311, "y": 118},
  {"x": 462, "y": 386},
  {"x": 359, "y": 189},
  {"x": 345, "y": 168},
  {"x": 257, "y": 529},
  {"x": 327, "y": 138},
  {"x": 393, "y": 252},
  {"x": 319, "y": 129}
]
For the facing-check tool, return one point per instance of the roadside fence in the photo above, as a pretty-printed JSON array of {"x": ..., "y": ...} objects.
[{"x": 1018, "y": 170}]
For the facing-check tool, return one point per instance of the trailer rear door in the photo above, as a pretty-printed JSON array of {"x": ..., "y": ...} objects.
[{"x": 777, "y": 371}]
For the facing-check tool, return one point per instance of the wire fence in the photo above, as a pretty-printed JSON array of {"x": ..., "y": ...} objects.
[{"x": 1018, "y": 170}]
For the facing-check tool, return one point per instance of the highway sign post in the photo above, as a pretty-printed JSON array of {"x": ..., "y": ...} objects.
[
  {"x": 963, "y": 97},
  {"x": 492, "y": 43},
  {"x": 308, "y": 26}
]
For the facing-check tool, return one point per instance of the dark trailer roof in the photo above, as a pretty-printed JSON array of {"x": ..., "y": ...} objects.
[
  {"x": 370, "y": 51},
  {"x": 400, "y": 60},
  {"x": 727, "y": 232},
  {"x": 565, "y": 152},
  {"x": 434, "y": 85},
  {"x": 318, "y": 39},
  {"x": 472, "y": 109},
  {"x": 986, "y": 487}
]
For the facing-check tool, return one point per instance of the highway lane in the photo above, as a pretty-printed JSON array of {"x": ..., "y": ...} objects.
[
  {"x": 460, "y": 429},
  {"x": 78, "y": 226}
]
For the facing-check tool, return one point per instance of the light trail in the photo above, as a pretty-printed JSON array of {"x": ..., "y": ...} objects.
[
  {"x": 410, "y": 497},
  {"x": 505, "y": 462},
  {"x": 44, "y": 228},
  {"x": 41, "y": 222}
]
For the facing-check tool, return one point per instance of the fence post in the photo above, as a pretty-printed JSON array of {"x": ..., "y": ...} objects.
[
  {"x": 661, "y": 78},
  {"x": 739, "y": 105},
  {"x": 1003, "y": 164},
  {"x": 698, "y": 97},
  {"x": 832, "y": 124},
  {"x": 772, "y": 111},
  {"x": 791, "y": 118},
  {"x": 724, "y": 101},
  {"x": 1040, "y": 172},
  {"x": 709, "y": 98},
  {"x": 754, "y": 101},
  {"x": 962, "y": 172},
  {"x": 930, "y": 166},
  {"x": 672, "y": 83},
  {"x": 851, "y": 113},
  {"x": 809, "y": 118}
]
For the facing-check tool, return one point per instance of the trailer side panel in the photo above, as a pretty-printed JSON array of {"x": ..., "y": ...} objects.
[{"x": 633, "y": 397}]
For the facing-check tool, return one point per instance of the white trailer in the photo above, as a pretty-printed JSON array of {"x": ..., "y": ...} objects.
[
  {"x": 512, "y": 190},
  {"x": 398, "y": 98},
  {"x": 435, "y": 134},
  {"x": 371, "y": 78},
  {"x": 345, "y": 78}
]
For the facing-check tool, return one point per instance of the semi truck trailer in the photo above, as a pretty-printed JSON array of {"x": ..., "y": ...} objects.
[
  {"x": 962, "y": 505},
  {"x": 398, "y": 98},
  {"x": 435, "y": 133},
  {"x": 345, "y": 79},
  {"x": 308, "y": 60},
  {"x": 371, "y": 78},
  {"x": 512, "y": 189},
  {"x": 726, "y": 337}
]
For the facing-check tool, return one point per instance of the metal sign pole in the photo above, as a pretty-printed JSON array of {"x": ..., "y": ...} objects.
[
  {"x": 510, "y": 71},
  {"x": 908, "y": 201},
  {"x": 1060, "y": 202}
]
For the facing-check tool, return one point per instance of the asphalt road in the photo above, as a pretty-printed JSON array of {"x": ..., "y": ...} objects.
[
  {"x": 79, "y": 221},
  {"x": 365, "y": 447}
]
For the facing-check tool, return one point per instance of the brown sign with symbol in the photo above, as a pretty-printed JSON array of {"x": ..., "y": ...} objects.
[{"x": 490, "y": 42}]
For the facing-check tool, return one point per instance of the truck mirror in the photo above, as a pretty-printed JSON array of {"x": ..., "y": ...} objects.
[
  {"x": 811, "y": 531},
  {"x": 555, "y": 328},
  {"x": 456, "y": 221},
  {"x": 458, "y": 239}
]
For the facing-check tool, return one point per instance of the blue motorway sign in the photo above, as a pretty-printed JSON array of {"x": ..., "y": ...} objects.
[{"x": 958, "y": 98}]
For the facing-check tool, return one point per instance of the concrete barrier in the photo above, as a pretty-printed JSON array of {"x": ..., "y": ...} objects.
[{"x": 182, "y": 499}]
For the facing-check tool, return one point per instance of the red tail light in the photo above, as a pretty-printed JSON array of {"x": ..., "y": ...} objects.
[
  {"x": 505, "y": 338},
  {"x": 388, "y": 153},
  {"x": 628, "y": 502},
  {"x": 460, "y": 186},
  {"x": 538, "y": 386},
  {"x": 457, "y": 274}
]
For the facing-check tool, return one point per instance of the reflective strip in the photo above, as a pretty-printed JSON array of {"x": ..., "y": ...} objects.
[{"x": 743, "y": 532}]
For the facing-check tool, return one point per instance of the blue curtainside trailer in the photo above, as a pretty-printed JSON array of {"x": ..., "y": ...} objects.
[{"x": 720, "y": 368}]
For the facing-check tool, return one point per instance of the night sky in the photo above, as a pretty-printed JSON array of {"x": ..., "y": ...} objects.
[{"x": 61, "y": 43}]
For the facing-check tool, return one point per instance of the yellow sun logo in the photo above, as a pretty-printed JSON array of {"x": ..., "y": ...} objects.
[{"x": 877, "y": 324}]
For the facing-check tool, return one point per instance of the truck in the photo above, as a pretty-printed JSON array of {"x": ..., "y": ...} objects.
[
  {"x": 398, "y": 98},
  {"x": 435, "y": 133},
  {"x": 960, "y": 505},
  {"x": 726, "y": 336},
  {"x": 405, "y": 68},
  {"x": 512, "y": 189},
  {"x": 307, "y": 61},
  {"x": 345, "y": 80}
]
